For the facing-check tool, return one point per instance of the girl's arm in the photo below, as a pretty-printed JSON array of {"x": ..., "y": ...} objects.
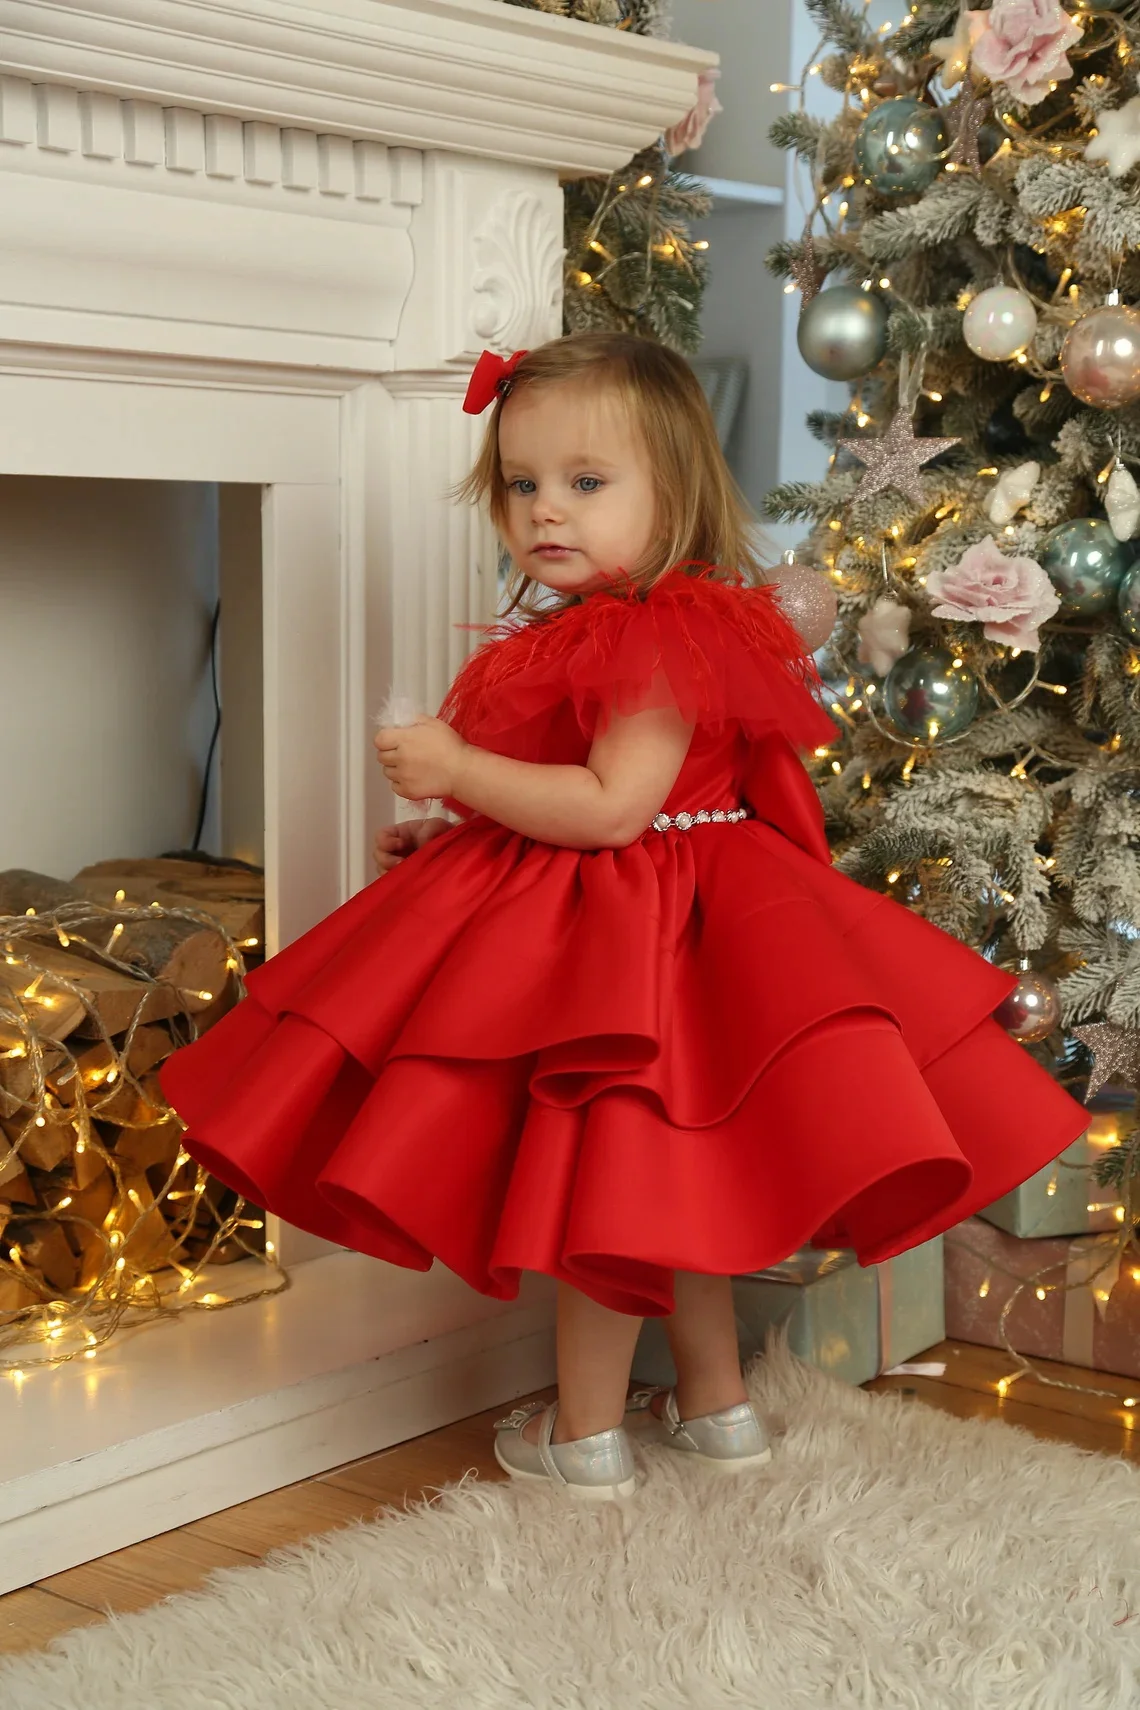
[{"x": 605, "y": 804}]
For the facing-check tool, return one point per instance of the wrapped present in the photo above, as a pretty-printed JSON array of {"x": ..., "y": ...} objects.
[
  {"x": 852, "y": 1321},
  {"x": 1090, "y": 1313},
  {"x": 1064, "y": 1198}
]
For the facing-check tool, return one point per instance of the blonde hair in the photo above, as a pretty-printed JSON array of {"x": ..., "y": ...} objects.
[{"x": 702, "y": 517}]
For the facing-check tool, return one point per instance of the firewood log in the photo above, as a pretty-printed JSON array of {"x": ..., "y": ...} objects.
[
  {"x": 98, "y": 1066},
  {"x": 232, "y": 895},
  {"x": 15, "y": 1295},
  {"x": 44, "y": 1247},
  {"x": 115, "y": 998},
  {"x": 21, "y": 890},
  {"x": 43, "y": 1148},
  {"x": 15, "y": 1183}
]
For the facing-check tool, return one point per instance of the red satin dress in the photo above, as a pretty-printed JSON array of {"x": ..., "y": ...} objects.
[{"x": 698, "y": 1052}]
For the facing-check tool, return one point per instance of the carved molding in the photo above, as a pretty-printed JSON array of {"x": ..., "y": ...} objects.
[
  {"x": 475, "y": 76},
  {"x": 216, "y": 149},
  {"x": 518, "y": 273}
]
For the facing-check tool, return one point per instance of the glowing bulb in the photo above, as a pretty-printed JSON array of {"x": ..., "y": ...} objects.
[{"x": 985, "y": 1289}]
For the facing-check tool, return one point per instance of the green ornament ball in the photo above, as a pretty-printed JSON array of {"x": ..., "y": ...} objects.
[
  {"x": 901, "y": 147},
  {"x": 1086, "y": 564},
  {"x": 1128, "y": 603},
  {"x": 842, "y": 333},
  {"x": 927, "y": 695}
]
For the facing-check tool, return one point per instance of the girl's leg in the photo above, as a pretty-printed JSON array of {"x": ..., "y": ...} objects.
[
  {"x": 703, "y": 1341},
  {"x": 595, "y": 1353}
]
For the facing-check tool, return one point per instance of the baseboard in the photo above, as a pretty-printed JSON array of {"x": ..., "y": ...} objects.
[{"x": 59, "y": 1517}]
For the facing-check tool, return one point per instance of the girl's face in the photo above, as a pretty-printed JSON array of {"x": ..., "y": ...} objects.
[{"x": 580, "y": 499}]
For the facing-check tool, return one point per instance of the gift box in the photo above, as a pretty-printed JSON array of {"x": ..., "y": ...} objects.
[
  {"x": 1092, "y": 1320},
  {"x": 852, "y": 1321},
  {"x": 1064, "y": 1198}
]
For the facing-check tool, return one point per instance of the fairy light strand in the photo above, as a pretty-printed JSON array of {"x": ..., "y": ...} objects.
[{"x": 48, "y": 1084}]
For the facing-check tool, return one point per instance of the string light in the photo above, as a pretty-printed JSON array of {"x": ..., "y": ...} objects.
[{"x": 120, "y": 1251}]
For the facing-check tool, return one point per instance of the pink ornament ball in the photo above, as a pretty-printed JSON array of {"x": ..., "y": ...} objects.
[
  {"x": 1032, "y": 1010},
  {"x": 807, "y": 599}
]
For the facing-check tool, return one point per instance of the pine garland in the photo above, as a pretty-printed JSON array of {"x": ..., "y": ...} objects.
[{"x": 631, "y": 262}]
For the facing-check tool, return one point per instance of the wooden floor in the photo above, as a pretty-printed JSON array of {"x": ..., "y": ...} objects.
[{"x": 131, "y": 1579}]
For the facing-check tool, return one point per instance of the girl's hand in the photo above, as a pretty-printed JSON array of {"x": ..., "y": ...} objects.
[
  {"x": 395, "y": 842},
  {"x": 421, "y": 761}
]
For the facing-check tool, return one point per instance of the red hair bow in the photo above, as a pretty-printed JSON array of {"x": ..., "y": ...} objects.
[{"x": 491, "y": 379}]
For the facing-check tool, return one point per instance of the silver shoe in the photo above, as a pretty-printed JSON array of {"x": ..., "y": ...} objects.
[
  {"x": 729, "y": 1441},
  {"x": 598, "y": 1468}
]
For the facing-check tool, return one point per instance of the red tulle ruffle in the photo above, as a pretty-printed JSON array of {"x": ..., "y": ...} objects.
[{"x": 720, "y": 651}]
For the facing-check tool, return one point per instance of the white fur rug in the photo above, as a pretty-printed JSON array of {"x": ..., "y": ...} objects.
[{"x": 891, "y": 1558}]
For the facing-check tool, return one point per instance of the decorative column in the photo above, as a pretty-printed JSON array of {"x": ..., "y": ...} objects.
[{"x": 488, "y": 274}]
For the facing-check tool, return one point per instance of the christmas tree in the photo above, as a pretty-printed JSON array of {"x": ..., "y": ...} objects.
[
  {"x": 976, "y": 204},
  {"x": 631, "y": 262}
]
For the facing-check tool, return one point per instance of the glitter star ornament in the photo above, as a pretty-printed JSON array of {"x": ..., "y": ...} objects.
[
  {"x": 807, "y": 274},
  {"x": 896, "y": 459},
  {"x": 967, "y": 115},
  {"x": 1116, "y": 1054},
  {"x": 1117, "y": 141}
]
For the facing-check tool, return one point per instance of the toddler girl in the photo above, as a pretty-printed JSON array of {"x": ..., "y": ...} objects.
[{"x": 623, "y": 1023}]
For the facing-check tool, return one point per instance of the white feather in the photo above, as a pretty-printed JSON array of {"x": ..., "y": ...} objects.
[{"x": 397, "y": 712}]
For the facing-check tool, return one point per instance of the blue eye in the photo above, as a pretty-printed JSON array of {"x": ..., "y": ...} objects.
[
  {"x": 523, "y": 485},
  {"x": 588, "y": 483}
]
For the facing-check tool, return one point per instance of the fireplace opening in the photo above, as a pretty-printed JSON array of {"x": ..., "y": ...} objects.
[{"x": 131, "y": 774}]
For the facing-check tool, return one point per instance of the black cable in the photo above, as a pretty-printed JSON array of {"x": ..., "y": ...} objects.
[{"x": 205, "y": 796}]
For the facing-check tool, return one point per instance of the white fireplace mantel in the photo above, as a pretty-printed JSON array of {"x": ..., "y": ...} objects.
[
  {"x": 476, "y": 76},
  {"x": 261, "y": 243}
]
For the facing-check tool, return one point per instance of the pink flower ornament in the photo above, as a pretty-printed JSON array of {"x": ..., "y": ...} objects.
[
  {"x": 1009, "y": 597},
  {"x": 689, "y": 132},
  {"x": 1023, "y": 44}
]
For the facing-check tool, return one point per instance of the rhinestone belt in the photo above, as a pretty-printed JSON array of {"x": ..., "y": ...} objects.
[{"x": 686, "y": 821}]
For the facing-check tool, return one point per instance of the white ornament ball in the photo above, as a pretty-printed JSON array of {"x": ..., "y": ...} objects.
[
  {"x": 999, "y": 323},
  {"x": 1122, "y": 503}
]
